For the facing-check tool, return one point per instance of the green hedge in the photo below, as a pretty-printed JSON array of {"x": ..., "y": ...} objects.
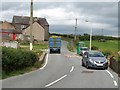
[{"x": 15, "y": 59}]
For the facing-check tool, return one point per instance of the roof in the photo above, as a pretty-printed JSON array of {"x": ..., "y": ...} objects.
[
  {"x": 8, "y": 27},
  {"x": 10, "y": 31},
  {"x": 26, "y": 20}
]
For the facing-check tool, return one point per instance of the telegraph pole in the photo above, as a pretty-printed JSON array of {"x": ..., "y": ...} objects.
[
  {"x": 102, "y": 31},
  {"x": 31, "y": 25},
  {"x": 75, "y": 28}
]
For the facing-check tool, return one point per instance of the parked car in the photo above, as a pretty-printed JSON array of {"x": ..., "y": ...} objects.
[
  {"x": 83, "y": 50},
  {"x": 102, "y": 40},
  {"x": 94, "y": 59}
]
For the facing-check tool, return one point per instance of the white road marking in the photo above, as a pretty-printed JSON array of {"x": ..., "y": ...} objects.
[
  {"x": 115, "y": 83},
  {"x": 72, "y": 69},
  {"x": 56, "y": 81},
  {"x": 110, "y": 73},
  {"x": 46, "y": 61}
]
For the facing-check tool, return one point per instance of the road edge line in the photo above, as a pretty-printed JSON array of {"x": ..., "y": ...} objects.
[
  {"x": 115, "y": 83},
  {"x": 110, "y": 74},
  {"x": 46, "y": 61}
]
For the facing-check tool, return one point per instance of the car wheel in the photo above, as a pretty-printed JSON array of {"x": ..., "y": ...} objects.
[
  {"x": 87, "y": 66},
  {"x": 83, "y": 63},
  {"x": 50, "y": 51},
  {"x": 105, "y": 68}
]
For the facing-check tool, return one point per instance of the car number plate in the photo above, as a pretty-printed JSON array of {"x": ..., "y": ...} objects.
[{"x": 99, "y": 64}]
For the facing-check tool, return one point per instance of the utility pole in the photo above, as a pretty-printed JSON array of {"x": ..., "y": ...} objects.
[
  {"x": 75, "y": 28},
  {"x": 102, "y": 31},
  {"x": 31, "y": 25}
]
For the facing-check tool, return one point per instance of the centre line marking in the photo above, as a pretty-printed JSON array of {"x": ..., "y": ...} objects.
[
  {"x": 110, "y": 74},
  {"x": 72, "y": 69},
  {"x": 56, "y": 81},
  {"x": 115, "y": 83}
]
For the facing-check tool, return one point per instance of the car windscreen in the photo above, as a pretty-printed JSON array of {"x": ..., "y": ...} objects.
[
  {"x": 85, "y": 49},
  {"x": 96, "y": 54}
]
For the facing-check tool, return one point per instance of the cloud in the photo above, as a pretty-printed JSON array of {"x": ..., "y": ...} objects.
[{"x": 60, "y": 15}]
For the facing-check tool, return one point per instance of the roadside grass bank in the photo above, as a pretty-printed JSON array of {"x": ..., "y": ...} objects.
[
  {"x": 70, "y": 48},
  {"x": 20, "y": 61},
  {"x": 109, "y": 48},
  {"x": 70, "y": 44}
]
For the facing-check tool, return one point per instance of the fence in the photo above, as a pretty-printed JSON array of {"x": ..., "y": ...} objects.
[{"x": 10, "y": 44}]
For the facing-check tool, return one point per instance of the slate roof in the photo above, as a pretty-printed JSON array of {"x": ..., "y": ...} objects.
[
  {"x": 25, "y": 20},
  {"x": 8, "y": 27}
]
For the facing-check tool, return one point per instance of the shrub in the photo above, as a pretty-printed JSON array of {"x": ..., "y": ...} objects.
[
  {"x": 107, "y": 53},
  {"x": 14, "y": 59},
  {"x": 94, "y": 48}
]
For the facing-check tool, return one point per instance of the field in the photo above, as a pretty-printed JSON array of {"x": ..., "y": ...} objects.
[{"x": 109, "y": 46}]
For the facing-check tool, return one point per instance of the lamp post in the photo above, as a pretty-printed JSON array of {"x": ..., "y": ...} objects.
[
  {"x": 90, "y": 33},
  {"x": 31, "y": 25}
]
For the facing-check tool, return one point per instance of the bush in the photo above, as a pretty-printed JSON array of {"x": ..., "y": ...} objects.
[
  {"x": 94, "y": 48},
  {"x": 15, "y": 59},
  {"x": 107, "y": 53}
]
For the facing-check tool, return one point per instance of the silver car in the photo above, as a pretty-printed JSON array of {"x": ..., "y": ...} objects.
[{"x": 94, "y": 59}]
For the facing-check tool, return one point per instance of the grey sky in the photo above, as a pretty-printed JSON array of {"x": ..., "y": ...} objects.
[{"x": 61, "y": 15}]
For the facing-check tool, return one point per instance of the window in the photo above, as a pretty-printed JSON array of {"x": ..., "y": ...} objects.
[{"x": 23, "y": 27}]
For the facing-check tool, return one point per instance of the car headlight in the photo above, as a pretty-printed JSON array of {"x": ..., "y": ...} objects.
[
  {"x": 106, "y": 61},
  {"x": 92, "y": 61}
]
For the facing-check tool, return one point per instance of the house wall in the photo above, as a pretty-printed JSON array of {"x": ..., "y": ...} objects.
[
  {"x": 46, "y": 33},
  {"x": 38, "y": 32},
  {"x": 6, "y": 35}
]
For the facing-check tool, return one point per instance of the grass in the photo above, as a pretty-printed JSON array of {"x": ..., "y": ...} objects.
[
  {"x": 35, "y": 46},
  {"x": 22, "y": 71},
  {"x": 70, "y": 48},
  {"x": 110, "y": 46},
  {"x": 66, "y": 39}
]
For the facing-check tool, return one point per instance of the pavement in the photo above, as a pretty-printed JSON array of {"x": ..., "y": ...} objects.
[{"x": 63, "y": 71}]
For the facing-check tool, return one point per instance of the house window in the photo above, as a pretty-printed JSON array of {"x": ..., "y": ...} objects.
[{"x": 23, "y": 27}]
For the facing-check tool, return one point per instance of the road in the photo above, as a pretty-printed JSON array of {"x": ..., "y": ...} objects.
[{"x": 64, "y": 71}]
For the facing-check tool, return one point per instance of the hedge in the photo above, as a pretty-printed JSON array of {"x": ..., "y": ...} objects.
[{"x": 15, "y": 59}]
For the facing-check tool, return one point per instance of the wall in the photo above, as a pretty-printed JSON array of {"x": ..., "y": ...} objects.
[
  {"x": 10, "y": 44},
  {"x": 46, "y": 32},
  {"x": 115, "y": 65},
  {"x": 38, "y": 32}
]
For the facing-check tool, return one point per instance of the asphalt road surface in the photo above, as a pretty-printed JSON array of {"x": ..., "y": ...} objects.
[{"x": 64, "y": 71}]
